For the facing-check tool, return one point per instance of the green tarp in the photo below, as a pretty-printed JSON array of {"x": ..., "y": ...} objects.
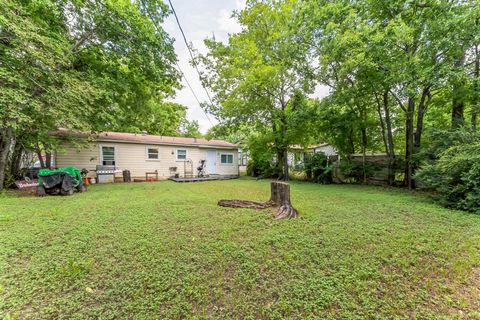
[{"x": 72, "y": 171}]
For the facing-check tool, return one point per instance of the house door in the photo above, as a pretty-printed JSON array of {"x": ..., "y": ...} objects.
[{"x": 211, "y": 161}]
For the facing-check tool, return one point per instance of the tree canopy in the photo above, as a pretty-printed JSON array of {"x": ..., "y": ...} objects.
[
  {"x": 393, "y": 68},
  {"x": 84, "y": 65},
  {"x": 261, "y": 75}
]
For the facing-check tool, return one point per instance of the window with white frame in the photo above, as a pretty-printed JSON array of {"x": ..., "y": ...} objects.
[
  {"x": 108, "y": 155},
  {"x": 181, "y": 154},
  {"x": 226, "y": 158},
  {"x": 153, "y": 153}
]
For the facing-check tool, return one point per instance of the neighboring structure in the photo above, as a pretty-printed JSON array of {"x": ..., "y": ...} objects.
[
  {"x": 297, "y": 153},
  {"x": 142, "y": 153},
  {"x": 243, "y": 158}
]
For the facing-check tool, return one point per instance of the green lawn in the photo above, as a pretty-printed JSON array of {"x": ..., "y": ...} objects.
[{"x": 167, "y": 251}]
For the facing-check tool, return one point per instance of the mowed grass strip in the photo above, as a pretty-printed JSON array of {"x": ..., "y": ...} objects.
[{"x": 166, "y": 250}]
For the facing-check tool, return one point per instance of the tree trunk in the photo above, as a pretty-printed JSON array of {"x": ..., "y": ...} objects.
[
  {"x": 6, "y": 138},
  {"x": 48, "y": 160},
  {"x": 422, "y": 108},
  {"x": 409, "y": 143},
  {"x": 458, "y": 105},
  {"x": 16, "y": 159},
  {"x": 351, "y": 141},
  {"x": 284, "y": 144},
  {"x": 390, "y": 143},
  {"x": 476, "y": 90},
  {"x": 280, "y": 163},
  {"x": 364, "y": 153},
  {"x": 382, "y": 126},
  {"x": 388, "y": 122},
  {"x": 40, "y": 158},
  {"x": 279, "y": 199},
  {"x": 278, "y": 151},
  {"x": 285, "y": 165}
]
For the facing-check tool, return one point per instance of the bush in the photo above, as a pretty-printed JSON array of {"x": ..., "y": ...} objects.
[
  {"x": 262, "y": 157},
  {"x": 353, "y": 171},
  {"x": 455, "y": 176},
  {"x": 318, "y": 169},
  {"x": 261, "y": 168}
]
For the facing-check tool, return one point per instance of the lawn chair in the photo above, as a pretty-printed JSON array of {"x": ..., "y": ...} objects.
[{"x": 201, "y": 169}]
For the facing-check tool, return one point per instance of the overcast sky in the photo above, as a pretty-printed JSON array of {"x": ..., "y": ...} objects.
[{"x": 201, "y": 19}]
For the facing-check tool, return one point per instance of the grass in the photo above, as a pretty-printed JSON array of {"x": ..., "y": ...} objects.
[{"x": 167, "y": 251}]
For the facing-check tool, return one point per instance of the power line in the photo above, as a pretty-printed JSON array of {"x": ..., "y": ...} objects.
[
  {"x": 193, "y": 92},
  {"x": 190, "y": 51},
  {"x": 182, "y": 73},
  {"x": 188, "y": 83}
]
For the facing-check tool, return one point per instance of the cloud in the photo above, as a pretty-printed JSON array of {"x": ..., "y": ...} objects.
[
  {"x": 320, "y": 91},
  {"x": 201, "y": 19},
  {"x": 227, "y": 23},
  {"x": 240, "y": 4}
]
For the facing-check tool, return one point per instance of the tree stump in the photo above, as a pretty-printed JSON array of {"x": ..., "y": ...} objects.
[{"x": 279, "y": 199}]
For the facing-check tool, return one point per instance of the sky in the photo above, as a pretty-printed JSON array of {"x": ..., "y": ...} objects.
[{"x": 202, "y": 19}]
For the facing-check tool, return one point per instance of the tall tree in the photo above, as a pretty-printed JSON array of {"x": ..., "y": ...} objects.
[
  {"x": 38, "y": 90},
  {"x": 401, "y": 51},
  {"x": 83, "y": 65},
  {"x": 255, "y": 75}
]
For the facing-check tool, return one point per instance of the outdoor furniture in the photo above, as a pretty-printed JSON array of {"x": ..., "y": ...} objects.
[
  {"x": 188, "y": 168},
  {"x": 201, "y": 169},
  {"x": 173, "y": 171},
  {"x": 155, "y": 173}
]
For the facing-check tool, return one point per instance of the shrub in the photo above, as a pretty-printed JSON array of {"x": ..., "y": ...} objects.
[
  {"x": 262, "y": 157},
  {"x": 455, "y": 176},
  {"x": 451, "y": 166},
  {"x": 261, "y": 168},
  {"x": 317, "y": 168},
  {"x": 353, "y": 170}
]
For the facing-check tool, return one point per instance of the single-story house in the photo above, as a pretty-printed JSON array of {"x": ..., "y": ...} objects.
[
  {"x": 297, "y": 153},
  {"x": 143, "y": 153}
]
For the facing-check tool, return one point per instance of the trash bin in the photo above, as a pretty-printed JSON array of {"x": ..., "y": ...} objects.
[{"x": 126, "y": 176}]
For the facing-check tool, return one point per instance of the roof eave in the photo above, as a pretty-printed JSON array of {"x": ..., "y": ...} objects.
[{"x": 103, "y": 139}]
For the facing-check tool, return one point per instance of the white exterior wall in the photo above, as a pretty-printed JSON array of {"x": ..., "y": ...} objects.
[
  {"x": 328, "y": 150},
  {"x": 226, "y": 168},
  {"x": 133, "y": 157}
]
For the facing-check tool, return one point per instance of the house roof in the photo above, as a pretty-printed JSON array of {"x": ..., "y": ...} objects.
[
  {"x": 153, "y": 139},
  {"x": 312, "y": 146}
]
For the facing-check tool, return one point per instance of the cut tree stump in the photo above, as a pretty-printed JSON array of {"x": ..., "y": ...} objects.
[{"x": 279, "y": 199}]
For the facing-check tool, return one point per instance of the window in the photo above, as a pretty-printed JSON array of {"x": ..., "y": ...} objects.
[
  {"x": 153, "y": 154},
  {"x": 181, "y": 154},
  {"x": 226, "y": 158},
  {"x": 108, "y": 156}
]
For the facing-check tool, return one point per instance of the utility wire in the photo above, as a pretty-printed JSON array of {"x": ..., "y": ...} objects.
[
  {"x": 193, "y": 92},
  {"x": 180, "y": 70},
  {"x": 190, "y": 51}
]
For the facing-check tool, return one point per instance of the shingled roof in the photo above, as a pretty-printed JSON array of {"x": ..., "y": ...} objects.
[{"x": 152, "y": 139}]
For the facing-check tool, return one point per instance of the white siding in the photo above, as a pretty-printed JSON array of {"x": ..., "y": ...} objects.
[
  {"x": 133, "y": 157},
  {"x": 87, "y": 158},
  {"x": 224, "y": 168},
  {"x": 328, "y": 150}
]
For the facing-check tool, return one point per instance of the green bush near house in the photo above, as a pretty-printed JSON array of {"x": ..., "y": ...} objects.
[{"x": 318, "y": 168}]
